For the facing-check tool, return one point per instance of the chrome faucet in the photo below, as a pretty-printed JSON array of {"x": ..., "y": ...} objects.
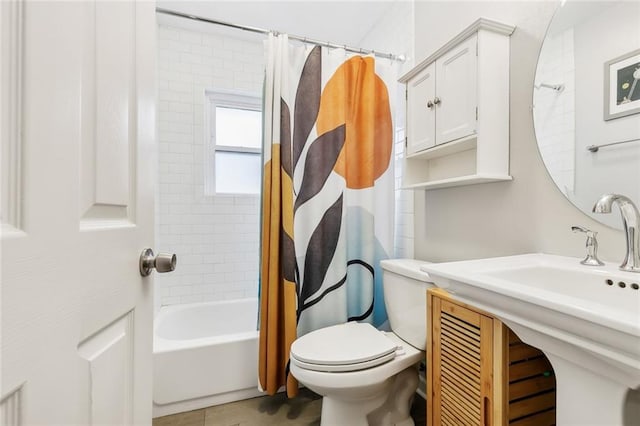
[
  {"x": 591, "y": 245},
  {"x": 631, "y": 223}
]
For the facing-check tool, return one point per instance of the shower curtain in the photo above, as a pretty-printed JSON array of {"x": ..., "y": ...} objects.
[{"x": 327, "y": 202}]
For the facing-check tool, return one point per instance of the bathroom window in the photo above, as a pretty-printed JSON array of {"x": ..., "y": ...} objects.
[{"x": 234, "y": 136}]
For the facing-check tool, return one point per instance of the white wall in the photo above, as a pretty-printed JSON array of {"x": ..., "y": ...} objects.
[
  {"x": 528, "y": 214},
  {"x": 216, "y": 238},
  {"x": 395, "y": 34}
]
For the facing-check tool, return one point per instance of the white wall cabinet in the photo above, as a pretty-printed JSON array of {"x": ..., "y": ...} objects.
[
  {"x": 442, "y": 99},
  {"x": 458, "y": 111}
]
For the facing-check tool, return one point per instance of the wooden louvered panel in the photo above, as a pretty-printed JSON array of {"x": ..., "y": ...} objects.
[
  {"x": 463, "y": 409},
  {"x": 467, "y": 349},
  {"x": 455, "y": 392},
  {"x": 459, "y": 419},
  {"x": 470, "y": 406},
  {"x": 447, "y": 419},
  {"x": 465, "y": 352},
  {"x": 471, "y": 348},
  {"x": 461, "y": 313},
  {"x": 470, "y": 382},
  {"x": 471, "y": 366},
  {"x": 459, "y": 372},
  {"x": 466, "y": 383},
  {"x": 451, "y": 386},
  {"x": 461, "y": 329},
  {"x": 453, "y": 417},
  {"x": 459, "y": 386}
]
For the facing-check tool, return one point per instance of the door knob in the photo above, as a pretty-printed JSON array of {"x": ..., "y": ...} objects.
[
  {"x": 436, "y": 100},
  {"x": 163, "y": 262},
  {"x": 429, "y": 104}
]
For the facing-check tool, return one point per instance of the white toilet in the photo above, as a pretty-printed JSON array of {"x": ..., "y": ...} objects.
[{"x": 367, "y": 376}]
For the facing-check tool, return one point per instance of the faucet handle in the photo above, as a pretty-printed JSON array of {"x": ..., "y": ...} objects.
[
  {"x": 592, "y": 246},
  {"x": 589, "y": 232}
]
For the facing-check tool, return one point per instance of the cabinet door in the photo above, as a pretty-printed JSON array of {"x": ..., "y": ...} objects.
[
  {"x": 462, "y": 366},
  {"x": 457, "y": 92},
  {"x": 420, "y": 117}
]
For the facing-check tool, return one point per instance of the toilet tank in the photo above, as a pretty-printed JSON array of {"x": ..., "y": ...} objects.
[{"x": 405, "y": 297}]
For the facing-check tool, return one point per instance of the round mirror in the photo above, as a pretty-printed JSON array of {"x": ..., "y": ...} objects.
[{"x": 586, "y": 102}]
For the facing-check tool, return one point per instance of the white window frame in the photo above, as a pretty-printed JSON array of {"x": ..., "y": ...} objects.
[{"x": 225, "y": 99}]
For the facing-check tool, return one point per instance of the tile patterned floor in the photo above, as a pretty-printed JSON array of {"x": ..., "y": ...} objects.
[{"x": 304, "y": 410}]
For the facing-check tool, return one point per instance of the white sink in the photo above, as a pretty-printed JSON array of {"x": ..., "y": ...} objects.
[{"x": 586, "y": 319}]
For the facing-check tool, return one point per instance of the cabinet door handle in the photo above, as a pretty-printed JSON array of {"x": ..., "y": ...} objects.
[
  {"x": 486, "y": 411},
  {"x": 430, "y": 104},
  {"x": 436, "y": 100}
]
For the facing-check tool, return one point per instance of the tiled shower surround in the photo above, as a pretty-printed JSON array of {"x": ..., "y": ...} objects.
[{"x": 216, "y": 237}]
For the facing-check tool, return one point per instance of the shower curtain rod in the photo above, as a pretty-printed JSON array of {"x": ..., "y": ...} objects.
[{"x": 400, "y": 58}]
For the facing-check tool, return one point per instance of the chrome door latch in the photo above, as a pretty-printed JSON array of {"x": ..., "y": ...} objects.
[{"x": 163, "y": 262}]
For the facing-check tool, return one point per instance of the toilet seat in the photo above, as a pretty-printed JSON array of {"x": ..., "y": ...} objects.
[
  {"x": 342, "y": 348},
  {"x": 332, "y": 368}
]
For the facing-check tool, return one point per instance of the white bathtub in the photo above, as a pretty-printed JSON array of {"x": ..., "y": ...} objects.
[{"x": 204, "y": 354}]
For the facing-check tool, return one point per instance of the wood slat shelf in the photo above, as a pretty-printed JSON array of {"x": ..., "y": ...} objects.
[
  {"x": 530, "y": 405},
  {"x": 540, "y": 419},
  {"x": 530, "y": 368},
  {"x": 521, "y": 352},
  {"x": 530, "y": 387}
]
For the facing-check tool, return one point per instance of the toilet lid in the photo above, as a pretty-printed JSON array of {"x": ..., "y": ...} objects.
[
  {"x": 343, "y": 345},
  {"x": 346, "y": 367}
]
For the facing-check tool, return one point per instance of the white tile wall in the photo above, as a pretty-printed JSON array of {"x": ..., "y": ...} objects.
[
  {"x": 395, "y": 34},
  {"x": 216, "y": 238}
]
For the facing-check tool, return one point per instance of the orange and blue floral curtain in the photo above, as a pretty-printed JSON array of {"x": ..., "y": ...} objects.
[{"x": 327, "y": 201}]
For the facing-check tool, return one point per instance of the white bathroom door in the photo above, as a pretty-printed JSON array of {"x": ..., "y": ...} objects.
[{"x": 78, "y": 129}]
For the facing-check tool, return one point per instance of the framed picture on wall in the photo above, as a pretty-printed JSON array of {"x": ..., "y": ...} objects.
[{"x": 622, "y": 86}]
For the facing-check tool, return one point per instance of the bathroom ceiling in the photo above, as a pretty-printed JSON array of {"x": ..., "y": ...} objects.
[{"x": 341, "y": 22}]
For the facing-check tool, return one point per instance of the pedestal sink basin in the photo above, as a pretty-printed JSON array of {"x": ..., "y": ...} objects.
[{"x": 586, "y": 319}]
